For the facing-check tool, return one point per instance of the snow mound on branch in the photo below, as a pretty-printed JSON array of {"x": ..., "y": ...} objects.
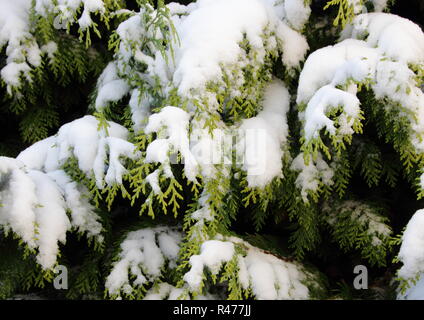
[
  {"x": 263, "y": 137},
  {"x": 18, "y": 216},
  {"x": 16, "y": 31},
  {"x": 210, "y": 37},
  {"x": 67, "y": 10},
  {"x": 143, "y": 256},
  {"x": 110, "y": 86},
  {"x": 379, "y": 61},
  {"x": 311, "y": 175},
  {"x": 34, "y": 208},
  {"x": 22, "y": 50},
  {"x": 260, "y": 144},
  {"x": 36, "y": 193},
  {"x": 394, "y": 36},
  {"x": 92, "y": 147},
  {"x": 411, "y": 252},
  {"x": 175, "y": 123},
  {"x": 269, "y": 277}
]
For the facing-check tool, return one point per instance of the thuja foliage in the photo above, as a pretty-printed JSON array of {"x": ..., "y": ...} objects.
[{"x": 219, "y": 149}]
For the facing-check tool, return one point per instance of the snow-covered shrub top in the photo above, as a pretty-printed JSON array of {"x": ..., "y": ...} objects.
[
  {"x": 205, "y": 109},
  {"x": 369, "y": 55},
  {"x": 267, "y": 276},
  {"x": 36, "y": 192},
  {"x": 23, "y": 49},
  {"x": 144, "y": 254},
  {"x": 411, "y": 252},
  {"x": 81, "y": 139}
]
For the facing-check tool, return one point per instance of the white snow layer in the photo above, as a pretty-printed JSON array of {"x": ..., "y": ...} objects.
[
  {"x": 36, "y": 193},
  {"x": 328, "y": 79},
  {"x": 209, "y": 43},
  {"x": 313, "y": 175},
  {"x": 143, "y": 255},
  {"x": 67, "y": 10},
  {"x": 260, "y": 144},
  {"x": 411, "y": 252},
  {"x": 83, "y": 140},
  {"x": 211, "y": 33},
  {"x": 22, "y": 50},
  {"x": 34, "y": 208},
  {"x": 264, "y": 137},
  {"x": 398, "y": 38},
  {"x": 269, "y": 277}
]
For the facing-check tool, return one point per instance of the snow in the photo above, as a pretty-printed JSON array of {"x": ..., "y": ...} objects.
[
  {"x": 143, "y": 255},
  {"x": 12, "y": 73},
  {"x": 311, "y": 175},
  {"x": 110, "y": 87},
  {"x": 33, "y": 207},
  {"x": 139, "y": 104},
  {"x": 297, "y": 13},
  {"x": 51, "y": 219},
  {"x": 153, "y": 180},
  {"x": 382, "y": 60},
  {"x": 380, "y": 5},
  {"x": 394, "y": 36},
  {"x": 269, "y": 277},
  {"x": 174, "y": 122},
  {"x": 329, "y": 65},
  {"x": 207, "y": 45},
  {"x": 16, "y": 28},
  {"x": 259, "y": 145},
  {"x": 415, "y": 292},
  {"x": 15, "y": 33},
  {"x": 264, "y": 136},
  {"x": 111, "y": 91},
  {"x": 411, "y": 252},
  {"x": 213, "y": 254},
  {"x": 83, "y": 216},
  {"x": 67, "y": 10},
  {"x": 50, "y": 49},
  {"x": 17, "y": 215},
  {"x": 163, "y": 291},
  {"x": 38, "y": 193},
  {"x": 325, "y": 100},
  {"x": 90, "y": 146}
]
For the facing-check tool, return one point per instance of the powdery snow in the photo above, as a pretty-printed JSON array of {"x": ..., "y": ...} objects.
[
  {"x": 91, "y": 147},
  {"x": 211, "y": 34},
  {"x": 312, "y": 175},
  {"x": 411, "y": 252},
  {"x": 381, "y": 60},
  {"x": 33, "y": 207},
  {"x": 173, "y": 122},
  {"x": 263, "y": 137},
  {"x": 51, "y": 219},
  {"x": 143, "y": 255},
  {"x": 269, "y": 277}
]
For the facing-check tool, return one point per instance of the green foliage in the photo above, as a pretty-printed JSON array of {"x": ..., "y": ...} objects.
[
  {"x": 345, "y": 12},
  {"x": 359, "y": 226},
  {"x": 280, "y": 219}
]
